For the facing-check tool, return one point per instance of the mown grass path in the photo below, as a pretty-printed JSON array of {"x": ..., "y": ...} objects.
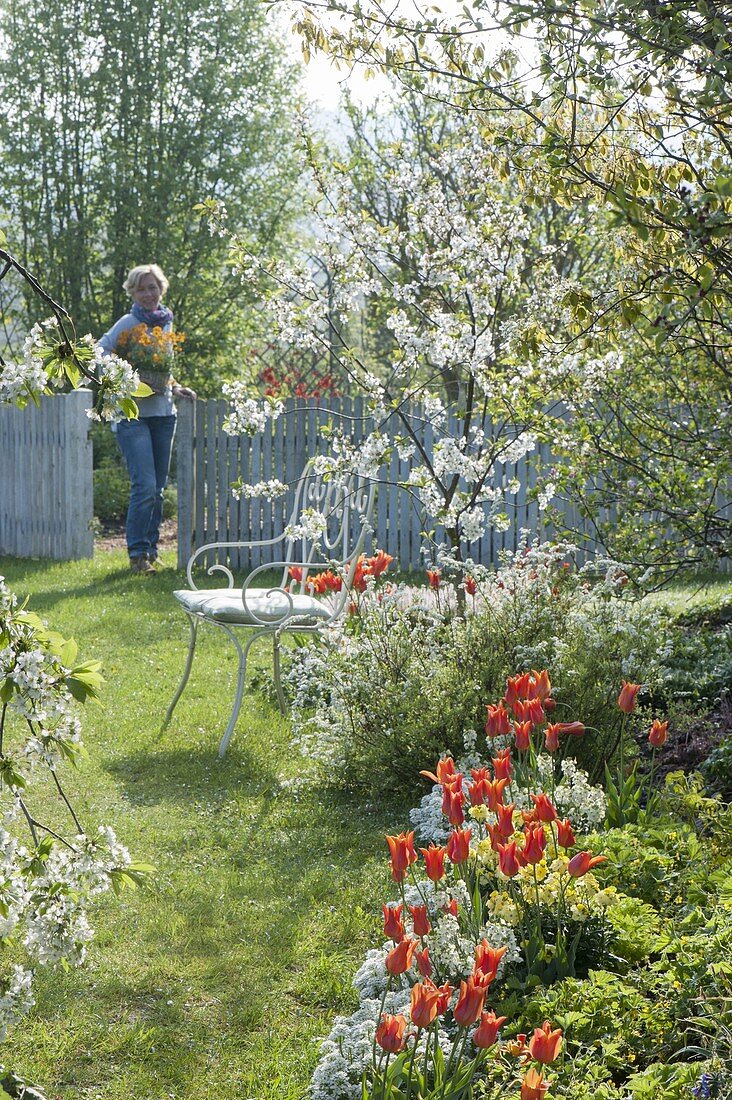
[{"x": 217, "y": 979}]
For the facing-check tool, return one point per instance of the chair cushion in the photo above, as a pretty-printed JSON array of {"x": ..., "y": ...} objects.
[{"x": 225, "y": 605}]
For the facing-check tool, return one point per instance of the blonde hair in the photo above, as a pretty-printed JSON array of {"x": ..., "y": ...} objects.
[{"x": 135, "y": 276}]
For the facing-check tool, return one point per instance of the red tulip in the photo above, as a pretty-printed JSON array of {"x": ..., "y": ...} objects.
[
  {"x": 544, "y": 808},
  {"x": 390, "y": 1033},
  {"x": 546, "y": 1044},
  {"x": 469, "y": 1003},
  {"x": 533, "y": 1086},
  {"x": 627, "y": 697},
  {"x": 487, "y": 1030},
  {"x": 424, "y": 963},
  {"x": 551, "y": 737},
  {"x": 433, "y": 576},
  {"x": 451, "y": 907},
  {"x": 471, "y": 585},
  {"x": 477, "y": 790},
  {"x": 534, "y": 844},
  {"x": 507, "y": 859},
  {"x": 420, "y": 920},
  {"x": 487, "y": 961},
  {"x": 522, "y": 735},
  {"x": 434, "y": 860},
  {"x": 658, "y": 734},
  {"x": 393, "y": 924},
  {"x": 399, "y": 959},
  {"x": 502, "y": 766},
  {"x": 549, "y": 705},
  {"x": 565, "y": 834},
  {"x": 497, "y": 723},
  {"x": 458, "y": 845},
  {"x": 402, "y": 854},
  {"x": 424, "y": 1003},
  {"x": 496, "y": 836},
  {"x": 583, "y": 862}
]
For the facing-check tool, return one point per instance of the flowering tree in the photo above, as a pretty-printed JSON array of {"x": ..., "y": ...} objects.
[
  {"x": 48, "y": 874},
  {"x": 446, "y": 274},
  {"x": 614, "y": 107}
]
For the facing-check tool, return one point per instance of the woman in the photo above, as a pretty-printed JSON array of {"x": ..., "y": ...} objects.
[{"x": 144, "y": 337}]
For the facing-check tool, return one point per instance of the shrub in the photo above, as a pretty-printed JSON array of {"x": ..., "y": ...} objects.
[
  {"x": 407, "y": 677},
  {"x": 112, "y": 496}
]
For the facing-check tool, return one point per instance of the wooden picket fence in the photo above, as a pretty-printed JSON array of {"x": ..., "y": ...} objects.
[
  {"x": 46, "y": 490},
  {"x": 209, "y": 460}
]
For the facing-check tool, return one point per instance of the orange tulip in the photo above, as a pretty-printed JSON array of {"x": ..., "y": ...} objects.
[
  {"x": 546, "y": 1044},
  {"x": 505, "y": 820},
  {"x": 424, "y": 962},
  {"x": 522, "y": 735},
  {"x": 393, "y": 924},
  {"x": 502, "y": 766},
  {"x": 565, "y": 834},
  {"x": 434, "y": 859},
  {"x": 497, "y": 723},
  {"x": 458, "y": 845},
  {"x": 658, "y": 734},
  {"x": 544, "y": 808},
  {"x": 446, "y": 991},
  {"x": 469, "y": 1003},
  {"x": 487, "y": 961},
  {"x": 295, "y": 572},
  {"x": 533, "y": 1086},
  {"x": 507, "y": 859},
  {"x": 540, "y": 686},
  {"x": 494, "y": 793},
  {"x": 390, "y": 1033},
  {"x": 583, "y": 862},
  {"x": 379, "y": 563},
  {"x": 433, "y": 576},
  {"x": 627, "y": 697},
  {"x": 517, "y": 687},
  {"x": 445, "y": 769},
  {"x": 477, "y": 789},
  {"x": 451, "y": 907},
  {"x": 420, "y": 920},
  {"x": 424, "y": 1003},
  {"x": 534, "y": 844},
  {"x": 574, "y": 729},
  {"x": 452, "y": 804},
  {"x": 487, "y": 1030},
  {"x": 403, "y": 854},
  {"x": 551, "y": 737},
  {"x": 399, "y": 959}
]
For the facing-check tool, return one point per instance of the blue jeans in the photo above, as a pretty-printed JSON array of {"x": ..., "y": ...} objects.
[{"x": 147, "y": 445}]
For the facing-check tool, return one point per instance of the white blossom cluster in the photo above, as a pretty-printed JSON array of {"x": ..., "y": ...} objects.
[
  {"x": 118, "y": 382},
  {"x": 27, "y": 377},
  {"x": 46, "y": 883},
  {"x": 248, "y": 415}
]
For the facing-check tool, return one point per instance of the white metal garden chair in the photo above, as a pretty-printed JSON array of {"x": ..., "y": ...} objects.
[{"x": 287, "y": 607}]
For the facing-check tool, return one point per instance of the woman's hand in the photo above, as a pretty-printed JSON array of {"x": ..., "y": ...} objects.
[{"x": 184, "y": 391}]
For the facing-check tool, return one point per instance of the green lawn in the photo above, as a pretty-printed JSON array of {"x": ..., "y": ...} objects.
[{"x": 218, "y": 979}]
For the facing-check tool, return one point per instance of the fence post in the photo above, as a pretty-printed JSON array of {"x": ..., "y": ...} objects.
[{"x": 186, "y": 483}]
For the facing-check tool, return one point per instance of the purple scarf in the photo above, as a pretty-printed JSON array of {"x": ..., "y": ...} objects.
[{"x": 161, "y": 316}]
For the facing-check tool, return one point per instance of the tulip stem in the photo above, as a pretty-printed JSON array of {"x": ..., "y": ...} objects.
[{"x": 411, "y": 1064}]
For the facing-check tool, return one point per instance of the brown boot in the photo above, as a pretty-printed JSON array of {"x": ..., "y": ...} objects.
[{"x": 141, "y": 565}]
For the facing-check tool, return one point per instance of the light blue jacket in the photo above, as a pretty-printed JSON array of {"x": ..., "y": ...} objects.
[{"x": 160, "y": 404}]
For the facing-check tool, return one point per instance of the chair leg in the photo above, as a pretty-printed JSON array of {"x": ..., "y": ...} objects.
[
  {"x": 277, "y": 677},
  {"x": 243, "y": 654},
  {"x": 186, "y": 671}
]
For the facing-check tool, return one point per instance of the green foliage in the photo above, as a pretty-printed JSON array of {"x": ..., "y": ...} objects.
[
  {"x": 166, "y": 106},
  {"x": 699, "y": 666}
]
